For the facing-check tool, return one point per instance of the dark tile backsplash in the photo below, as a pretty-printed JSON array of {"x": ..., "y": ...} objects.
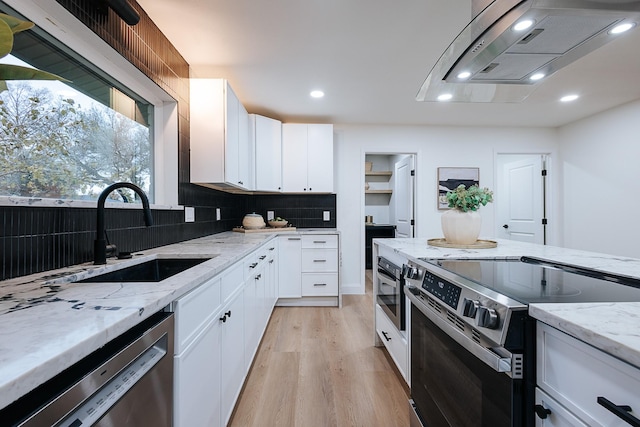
[
  {"x": 302, "y": 211},
  {"x": 34, "y": 240}
]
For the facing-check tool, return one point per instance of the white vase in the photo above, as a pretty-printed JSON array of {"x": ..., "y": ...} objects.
[{"x": 461, "y": 228}]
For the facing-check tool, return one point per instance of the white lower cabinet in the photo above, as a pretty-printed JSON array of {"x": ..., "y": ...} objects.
[
  {"x": 197, "y": 374},
  {"x": 272, "y": 274},
  {"x": 395, "y": 343},
  {"x": 577, "y": 379},
  {"x": 232, "y": 355},
  {"x": 219, "y": 326},
  {"x": 310, "y": 274},
  {"x": 290, "y": 249},
  {"x": 255, "y": 306},
  {"x": 319, "y": 265}
]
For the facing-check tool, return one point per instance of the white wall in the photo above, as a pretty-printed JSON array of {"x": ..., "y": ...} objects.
[
  {"x": 435, "y": 147},
  {"x": 600, "y": 182}
]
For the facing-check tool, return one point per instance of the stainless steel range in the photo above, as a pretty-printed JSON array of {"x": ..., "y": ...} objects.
[{"x": 472, "y": 341}]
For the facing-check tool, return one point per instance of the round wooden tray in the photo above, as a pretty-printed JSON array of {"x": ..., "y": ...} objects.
[{"x": 478, "y": 244}]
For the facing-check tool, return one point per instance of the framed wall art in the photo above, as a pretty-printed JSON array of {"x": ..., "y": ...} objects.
[{"x": 451, "y": 178}]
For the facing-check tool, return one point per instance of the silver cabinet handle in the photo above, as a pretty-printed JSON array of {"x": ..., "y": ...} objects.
[
  {"x": 319, "y": 241},
  {"x": 319, "y": 284},
  {"x": 293, "y": 238},
  {"x": 319, "y": 260}
]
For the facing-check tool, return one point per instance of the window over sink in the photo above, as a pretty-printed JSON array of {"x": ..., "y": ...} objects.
[{"x": 69, "y": 140}]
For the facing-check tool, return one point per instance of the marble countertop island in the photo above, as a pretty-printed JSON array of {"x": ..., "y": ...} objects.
[
  {"x": 611, "y": 327},
  {"x": 48, "y": 323}
]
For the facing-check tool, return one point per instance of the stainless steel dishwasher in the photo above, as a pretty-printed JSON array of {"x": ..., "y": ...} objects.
[{"x": 128, "y": 382}]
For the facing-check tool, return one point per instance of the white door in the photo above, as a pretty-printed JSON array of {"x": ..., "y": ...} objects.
[
  {"x": 519, "y": 198},
  {"x": 403, "y": 194}
]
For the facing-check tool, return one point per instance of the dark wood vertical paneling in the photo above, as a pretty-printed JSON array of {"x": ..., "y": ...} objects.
[{"x": 150, "y": 51}]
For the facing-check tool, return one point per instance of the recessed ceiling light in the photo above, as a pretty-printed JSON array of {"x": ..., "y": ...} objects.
[
  {"x": 523, "y": 25},
  {"x": 317, "y": 94},
  {"x": 445, "y": 97},
  {"x": 537, "y": 76},
  {"x": 464, "y": 75},
  {"x": 569, "y": 98},
  {"x": 622, "y": 28}
]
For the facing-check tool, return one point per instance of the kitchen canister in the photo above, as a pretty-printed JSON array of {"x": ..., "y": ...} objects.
[{"x": 253, "y": 221}]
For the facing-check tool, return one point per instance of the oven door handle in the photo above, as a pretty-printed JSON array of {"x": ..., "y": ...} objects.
[
  {"x": 496, "y": 362},
  {"x": 387, "y": 276}
]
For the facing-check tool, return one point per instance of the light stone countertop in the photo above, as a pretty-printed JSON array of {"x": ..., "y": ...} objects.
[
  {"x": 48, "y": 323},
  {"x": 611, "y": 327}
]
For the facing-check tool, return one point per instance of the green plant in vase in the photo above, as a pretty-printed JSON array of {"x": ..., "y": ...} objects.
[
  {"x": 9, "y": 26},
  {"x": 469, "y": 199},
  {"x": 461, "y": 224}
]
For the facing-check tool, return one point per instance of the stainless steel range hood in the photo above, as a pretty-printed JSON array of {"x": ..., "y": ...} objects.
[{"x": 500, "y": 60}]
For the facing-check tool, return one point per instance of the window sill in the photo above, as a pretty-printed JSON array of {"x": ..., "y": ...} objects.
[{"x": 68, "y": 203}]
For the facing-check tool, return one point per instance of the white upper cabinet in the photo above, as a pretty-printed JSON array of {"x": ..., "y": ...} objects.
[
  {"x": 221, "y": 152},
  {"x": 266, "y": 134},
  {"x": 307, "y": 158}
]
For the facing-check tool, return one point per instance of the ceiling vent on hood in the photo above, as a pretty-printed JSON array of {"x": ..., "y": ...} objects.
[{"x": 492, "y": 61}]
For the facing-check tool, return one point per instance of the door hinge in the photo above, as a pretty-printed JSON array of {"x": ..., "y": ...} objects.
[
  {"x": 544, "y": 221},
  {"x": 544, "y": 172},
  {"x": 413, "y": 173},
  {"x": 412, "y": 222}
]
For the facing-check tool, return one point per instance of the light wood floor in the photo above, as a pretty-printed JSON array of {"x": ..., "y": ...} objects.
[{"x": 317, "y": 367}]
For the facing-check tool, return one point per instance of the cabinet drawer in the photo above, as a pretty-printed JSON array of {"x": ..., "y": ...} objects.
[
  {"x": 232, "y": 280},
  {"x": 576, "y": 374},
  {"x": 254, "y": 261},
  {"x": 319, "y": 260},
  {"x": 319, "y": 284},
  {"x": 395, "y": 343},
  {"x": 320, "y": 241},
  {"x": 194, "y": 310},
  {"x": 558, "y": 416}
]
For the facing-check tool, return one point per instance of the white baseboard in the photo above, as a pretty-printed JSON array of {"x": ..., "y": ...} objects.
[{"x": 308, "y": 302}]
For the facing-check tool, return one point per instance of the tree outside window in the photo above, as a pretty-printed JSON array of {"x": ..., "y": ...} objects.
[{"x": 56, "y": 147}]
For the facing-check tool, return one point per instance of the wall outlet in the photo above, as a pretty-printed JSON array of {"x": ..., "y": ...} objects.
[
  {"x": 326, "y": 216},
  {"x": 270, "y": 215},
  {"x": 217, "y": 214},
  {"x": 189, "y": 214}
]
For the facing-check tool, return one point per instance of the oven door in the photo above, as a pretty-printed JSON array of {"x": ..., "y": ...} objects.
[
  {"x": 451, "y": 387},
  {"x": 390, "y": 296}
]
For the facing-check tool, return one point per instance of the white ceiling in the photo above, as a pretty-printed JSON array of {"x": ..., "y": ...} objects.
[{"x": 370, "y": 57}]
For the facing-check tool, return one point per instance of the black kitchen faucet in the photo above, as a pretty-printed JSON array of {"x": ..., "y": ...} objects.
[{"x": 100, "y": 244}]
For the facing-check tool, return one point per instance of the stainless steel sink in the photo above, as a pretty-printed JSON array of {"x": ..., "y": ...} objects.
[{"x": 155, "y": 270}]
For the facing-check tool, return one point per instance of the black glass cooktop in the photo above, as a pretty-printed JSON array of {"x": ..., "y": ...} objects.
[{"x": 530, "y": 280}]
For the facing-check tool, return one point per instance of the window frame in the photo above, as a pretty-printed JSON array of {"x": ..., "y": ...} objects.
[{"x": 52, "y": 18}]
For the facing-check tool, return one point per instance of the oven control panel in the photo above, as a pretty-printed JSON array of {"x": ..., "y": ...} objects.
[{"x": 443, "y": 290}]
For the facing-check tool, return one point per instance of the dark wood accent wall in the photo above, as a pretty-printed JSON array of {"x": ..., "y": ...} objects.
[{"x": 150, "y": 51}]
